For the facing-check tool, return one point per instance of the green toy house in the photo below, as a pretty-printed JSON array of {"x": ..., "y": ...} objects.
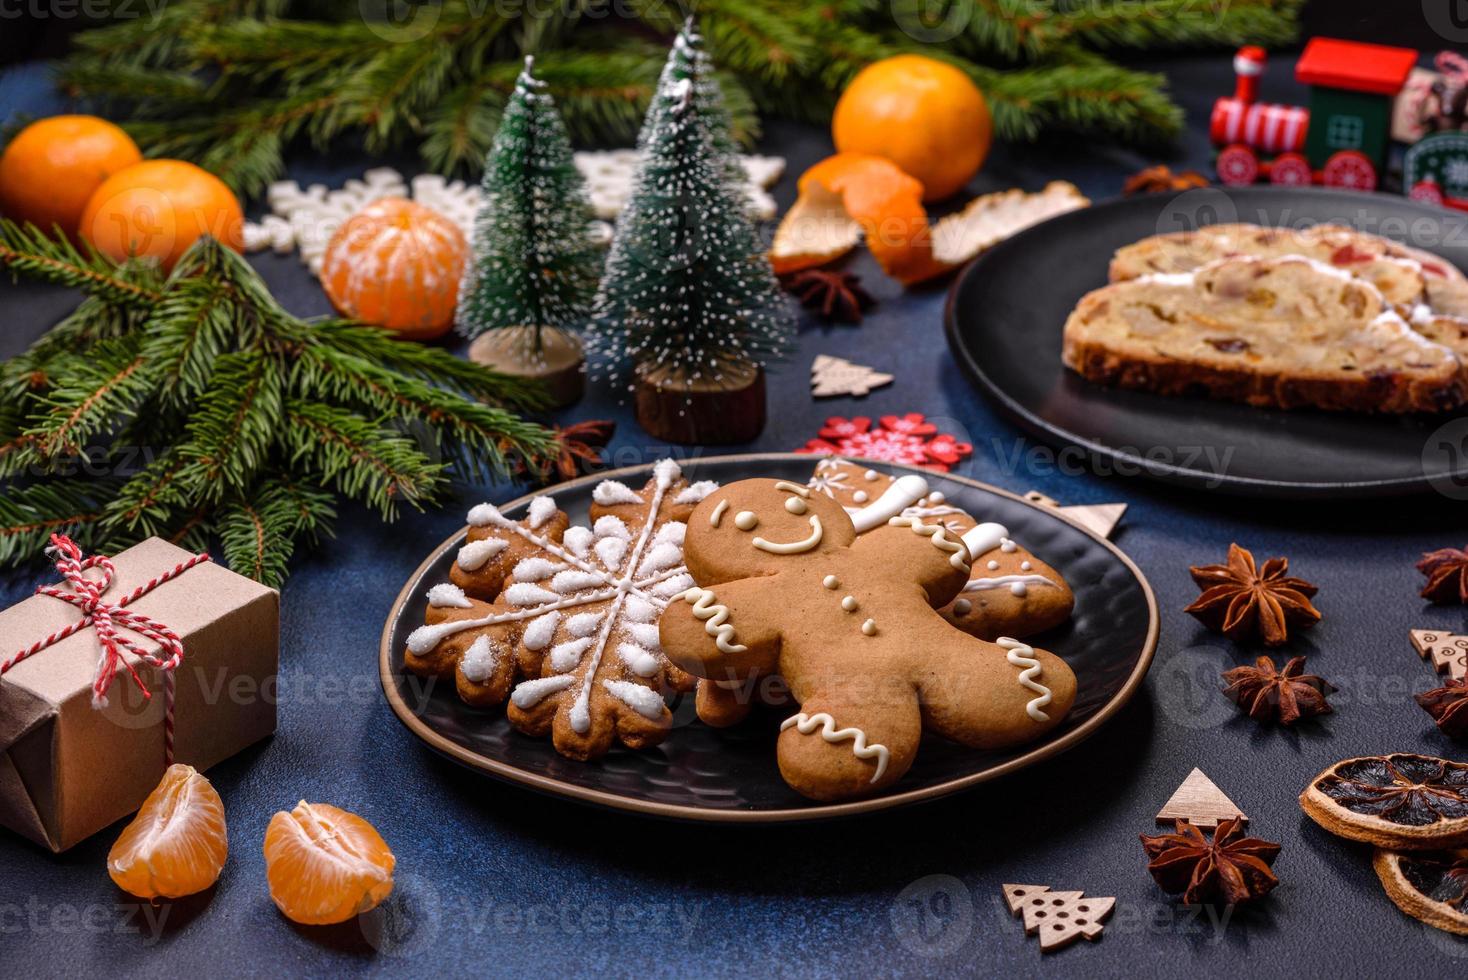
[{"x": 1351, "y": 90}]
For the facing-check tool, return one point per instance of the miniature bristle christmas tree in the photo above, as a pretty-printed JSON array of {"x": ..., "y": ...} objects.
[
  {"x": 533, "y": 269},
  {"x": 689, "y": 310}
]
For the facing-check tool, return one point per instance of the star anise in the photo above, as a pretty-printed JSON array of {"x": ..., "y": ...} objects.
[
  {"x": 835, "y": 295},
  {"x": 1270, "y": 694},
  {"x": 1448, "y": 706},
  {"x": 1244, "y": 601},
  {"x": 1447, "y": 575},
  {"x": 580, "y": 445},
  {"x": 1230, "y": 868},
  {"x": 1161, "y": 178}
]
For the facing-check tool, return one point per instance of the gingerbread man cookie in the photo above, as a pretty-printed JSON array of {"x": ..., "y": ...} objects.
[
  {"x": 574, "y": 619},
  {"x": 785, "y": 584},
  {"x": 1009, "y": 593}
]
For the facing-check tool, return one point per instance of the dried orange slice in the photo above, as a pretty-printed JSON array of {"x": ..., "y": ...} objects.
[
  {"x": 848, "y": 196},
  {"x": 325, "y": 865},
  {"x": 1430, "y": 886},
  {"x": 177, "y": 844},
  {"x": 1400, "y": 801}
]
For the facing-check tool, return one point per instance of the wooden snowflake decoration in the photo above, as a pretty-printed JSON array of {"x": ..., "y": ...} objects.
[
  {"x": 562, "y": 621},
  {"x": 909, "y": 439}
]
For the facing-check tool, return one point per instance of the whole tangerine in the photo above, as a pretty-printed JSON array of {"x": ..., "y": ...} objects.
[
  {"x": 51, "y": 168},
  {"x": 924, "y": 115},
  {"x": 159, "y": 208}
]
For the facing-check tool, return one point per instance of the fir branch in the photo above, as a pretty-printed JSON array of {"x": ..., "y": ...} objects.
[
  {"x": 101, "y": 388},
  {"x": 259, "y": 533},
  {"x": 232, "y": 427},
  {"x": 363, "y": 460},
  {"x": 148, "y": 502},
  {"x": 52, "y": 258},
  {"x": 30, "y": 515}
]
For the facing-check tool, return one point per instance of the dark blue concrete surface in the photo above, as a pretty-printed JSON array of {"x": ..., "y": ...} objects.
[{"x": 494, "y": 880}]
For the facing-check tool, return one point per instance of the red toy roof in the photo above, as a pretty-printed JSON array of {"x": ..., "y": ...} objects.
[{"x": 1352, "y": 65}]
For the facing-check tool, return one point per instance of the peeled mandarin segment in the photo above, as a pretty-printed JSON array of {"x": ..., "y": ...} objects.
[
  {"x": 177, "y": 844},
  {"x": 325, "y": 865},
  {"x": 849, "y": 195}
]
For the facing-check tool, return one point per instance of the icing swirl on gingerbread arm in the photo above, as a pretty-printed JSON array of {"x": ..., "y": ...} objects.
[
  {"x": 1023, "y": 655},
  {"x": 806, "y": 724}
]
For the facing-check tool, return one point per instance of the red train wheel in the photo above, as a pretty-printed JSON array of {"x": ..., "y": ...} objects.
[
  {"x": 1350, "y": 169},
  {"x": 1237, "y": 165},
  {"x": 1290, "y": 170},
  {"x": 1427, "y": 192}
]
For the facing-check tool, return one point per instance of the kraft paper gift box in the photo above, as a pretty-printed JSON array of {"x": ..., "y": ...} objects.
[{"x": 68, "y": 769}]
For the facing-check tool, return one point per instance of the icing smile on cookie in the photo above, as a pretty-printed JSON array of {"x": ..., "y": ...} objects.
[{"x": 793, "y": 547}]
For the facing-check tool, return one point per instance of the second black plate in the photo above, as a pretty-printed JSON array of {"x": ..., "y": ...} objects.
[{"x": 1006, "y": 313}]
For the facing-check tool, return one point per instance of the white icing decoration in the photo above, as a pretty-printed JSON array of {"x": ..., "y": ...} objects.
[
  {"x": 805, "y": 724},
  {"x": 794, "y": 488},
  {"x": 610, "y": 493},
  {"x": 718, "y": 513},
  {"x": 831, "y": 582},
  {"x": 992, "y": 565},
  {"x": 672, "y": 532},
  {"x": 578, "y": 541},
  {"x": 447, "y": 595},
  {"x": 860, "y": 496},
  {"x": 527, "y": 594},
  {"x": 482, "y": 515},
  {"x": 643, "y": 700},
  {"x": 1017, "y": 584},
  {"x": 565, "y": 656},
  {"x": 542, "y": 509},
  {"x": 695, "y": 492},
  {"x": 870, "y": 475},
  {"x": 869, "y": 627},
  {"x": 639, "y": 661},
  {"x": 528, "y": 694},
  {"x": 938, "y": 535},
  {"x": 534, "y": 569},
  {"x": 716, "y": 619},
  {"x": 540, "y": 632},
  {"x": 793, "y": 547},
  {"x": 1008, "y": 547},
  {"x": 611, "y": 551},
  {"x": 936, "y": 497},
  {"x": 848, "y": 603},
  {"x": 795, "y": 505},
  {"x": 984, "y": 538},
  {"x": 639, "y": 610},
  {"x": 1023, "y": 655},
  {"x": 646, "y": 635},
  {"x": 672, "y": 588},
  {"x": 746, "y": 520},
  {"x": 476, "y": 554},
  {"x": 962, "y": 607},
  {"x": 584, "y": 624},
  {"x": 903, "y": 493},
  {"x": 479, "y": 661},
  {"x": 661, "y": 558},
  {"x": 1025, "y": 566}
]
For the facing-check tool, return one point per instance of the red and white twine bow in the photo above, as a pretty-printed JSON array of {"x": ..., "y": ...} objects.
[{"x": 107, "y": 617}]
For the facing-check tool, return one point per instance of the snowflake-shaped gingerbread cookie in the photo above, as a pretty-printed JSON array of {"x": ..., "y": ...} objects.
[{"x": 562, "y": 621}]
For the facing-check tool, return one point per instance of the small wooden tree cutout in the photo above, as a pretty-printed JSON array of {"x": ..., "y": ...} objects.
[
  {"x": 1060, "y": 918},
  {"x": 1201, "y": 803},
  {"x": 830, "y": 376},
  {"x": 1098, "y": 518},
  {"x": 1447, "y": 652}
]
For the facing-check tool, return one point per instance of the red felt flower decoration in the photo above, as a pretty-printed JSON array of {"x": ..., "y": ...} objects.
[{"x": 910, "y": 439}]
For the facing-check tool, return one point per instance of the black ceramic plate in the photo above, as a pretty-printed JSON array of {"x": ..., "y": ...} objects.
[
  {"x": 1006, "y": 313},
  {"x": 701, "y": 773}
]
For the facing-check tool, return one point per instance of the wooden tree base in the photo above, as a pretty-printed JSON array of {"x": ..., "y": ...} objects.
[
  {"x": 705, "y": 412},
  {"x": 560, "y": 364}
]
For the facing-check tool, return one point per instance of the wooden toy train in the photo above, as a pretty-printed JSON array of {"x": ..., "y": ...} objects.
[{"x": 1340, "y": 140}]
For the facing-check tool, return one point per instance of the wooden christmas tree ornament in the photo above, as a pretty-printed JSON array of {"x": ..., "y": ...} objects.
[
  {"x": 1060, "y": 918},
  {"x": 559, "y": 364},
  {"x": 708, "y": 411},
  {"x": 1447, "y": 652},
  {"x": 1098, "y": 518},
  {"x": 832, "y": 376},
  {"x": 1201, "y": 803}
]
